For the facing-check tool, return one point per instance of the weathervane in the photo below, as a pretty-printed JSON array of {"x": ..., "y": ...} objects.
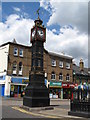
[{"x": 38, "y": 12}]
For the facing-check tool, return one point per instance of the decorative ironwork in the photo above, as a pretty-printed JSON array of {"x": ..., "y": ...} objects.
[
  {"x": 80, "y": 103},
  {"x": 38, "y": 12}
]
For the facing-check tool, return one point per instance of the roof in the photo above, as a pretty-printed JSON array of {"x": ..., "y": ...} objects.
[
  {"x": 13, "y": 43},
  {"x": 50, "y": 53},
  {"x": 60, "y": 55},
  {"x": 76, "y": 69}
]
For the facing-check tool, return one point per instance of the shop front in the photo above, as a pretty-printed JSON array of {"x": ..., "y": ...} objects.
[
  {"x": 2, "y": 89},
  {"x": 2, "y": 85},
  {"x": 67, "y": 90},
  {"x": 18, "y": 85},
  {"x": 55, "y": 90}
]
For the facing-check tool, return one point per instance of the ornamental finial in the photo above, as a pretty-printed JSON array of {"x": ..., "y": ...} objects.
[{"x": 38, "y": 12}]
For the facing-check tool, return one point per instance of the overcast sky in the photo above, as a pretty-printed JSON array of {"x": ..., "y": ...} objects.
[{"x": 66, "y": 23}]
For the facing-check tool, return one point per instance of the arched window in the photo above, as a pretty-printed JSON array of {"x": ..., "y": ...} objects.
[
  {"x": 14, "y": 69},
  {"x": 53, "y": 76},
  {"x": 15, "y": 51},
  {"x": 60, "y": 76},
  {"x": 67, "y": 77},
  {"x": 20, "y": 68}
]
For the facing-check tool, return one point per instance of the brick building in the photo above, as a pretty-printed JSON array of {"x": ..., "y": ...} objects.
[
  {"x": 81, "y": 74},
  {"x": 15, "y": 65}
]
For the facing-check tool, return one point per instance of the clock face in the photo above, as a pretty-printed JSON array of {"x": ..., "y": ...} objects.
[
  {"x": 33, "y": 33},
  {"x": 41, "y": 33}
]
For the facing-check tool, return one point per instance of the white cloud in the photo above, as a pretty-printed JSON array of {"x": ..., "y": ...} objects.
[
  {"x": 70, "y": 42},
  {"x": 0, "y": 11},
  {"x": 20, "y": 12},
  {"x": 16, "y": 27},
  {"x": 54, "y": 30},
  {"x": 16, "y": 9},
  {"x": 68, "y": 12},
  {"x": 73, "y": 41}
]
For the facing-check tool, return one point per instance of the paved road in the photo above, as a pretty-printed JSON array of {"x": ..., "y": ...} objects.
[
  {"x": 9, "y": 112},
  {"x": 11, "y": 109}
]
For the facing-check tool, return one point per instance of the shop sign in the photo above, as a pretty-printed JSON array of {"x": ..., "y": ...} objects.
[
  {"x": 2, "y": 77},
  {"x": 66, "y": 85},
  {"x": 16, "y": 80},
  {"x": 71, "y": 85},
  {"x": 55, "y": 84},
  {"x": 20, "y": 80},
  {"x": 25, "y": 81}
]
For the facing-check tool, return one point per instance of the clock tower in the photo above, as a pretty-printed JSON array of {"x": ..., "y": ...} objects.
[{"x": 36, "y": 93}]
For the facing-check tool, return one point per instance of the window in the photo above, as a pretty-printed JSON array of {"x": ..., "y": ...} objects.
[
  {"x": 60, "y": 64},
  {"x": 53, "y": 62},
  {"x": 21, "y": 53},
  {"x": 14, "y": 68},
  {"x": 39, "y": 63},
  {"x": 67, "y": 77},
  {"x": 60, "y": 76},
  {"x": 15, "y": 51},
  {"x": 45, "y": 75},
  {"x": 20, "y": 68},
  {"x": 68, "y": 65},
  {"x": 53, "y": 76}
]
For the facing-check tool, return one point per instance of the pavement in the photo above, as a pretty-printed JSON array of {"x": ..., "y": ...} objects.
[{"x": 11, "y": 108}]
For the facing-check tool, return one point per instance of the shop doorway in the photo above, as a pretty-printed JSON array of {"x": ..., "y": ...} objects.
[
  {"x": 2, "y": 89},
  {"x": 55, "y": 92},
  {"x": 66, "y": 93}
]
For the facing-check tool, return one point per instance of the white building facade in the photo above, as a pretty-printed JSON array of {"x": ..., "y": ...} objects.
[{"x": 9, "y": 84}]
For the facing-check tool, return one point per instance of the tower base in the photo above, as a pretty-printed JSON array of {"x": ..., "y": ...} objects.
[
  {"x": 36, "y": 96},
  {"x": 36, "y": 102}
]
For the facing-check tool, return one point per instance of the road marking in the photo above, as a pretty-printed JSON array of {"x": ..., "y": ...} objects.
[
  {"x": 44, "y": 115},
  {"x": 34, "y": 114}
]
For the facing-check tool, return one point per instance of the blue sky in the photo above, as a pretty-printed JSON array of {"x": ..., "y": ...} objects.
[
  {"x": 66, "y": 23},
  {"x": 29, "y": 8}
]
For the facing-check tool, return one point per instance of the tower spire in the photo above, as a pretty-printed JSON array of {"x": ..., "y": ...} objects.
[{"x": 38, "y": 12}]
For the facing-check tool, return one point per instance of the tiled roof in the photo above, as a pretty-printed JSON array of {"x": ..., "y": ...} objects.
[
  {"x": 76, "y": 69},
  {"x": 60, "y": 55}
]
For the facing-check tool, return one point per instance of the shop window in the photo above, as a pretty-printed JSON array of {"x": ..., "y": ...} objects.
[
  {"x": 60, "y": 64},
  {"x": 20, "y": 68},
  {"x": 21, "y": 53},
  {"x": 53, "y": 62},
  {"x": 15, "y": 51},
  {"x": 68, "y": 65},
  {"x": 53, "y": 76},
  {"x": 67, "y": 77},
  {"x": 45, "y": 75},
  {"x": 14, "y": 68},
  {"x": 60, "y": 76}
]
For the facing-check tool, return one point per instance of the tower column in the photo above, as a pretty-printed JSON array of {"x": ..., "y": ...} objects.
[{"x": 36, "y": 93}]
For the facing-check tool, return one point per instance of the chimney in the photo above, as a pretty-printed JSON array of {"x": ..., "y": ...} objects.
[
  {"x": 81, "y": 65},
  {"x": 14, "y": 40}
]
